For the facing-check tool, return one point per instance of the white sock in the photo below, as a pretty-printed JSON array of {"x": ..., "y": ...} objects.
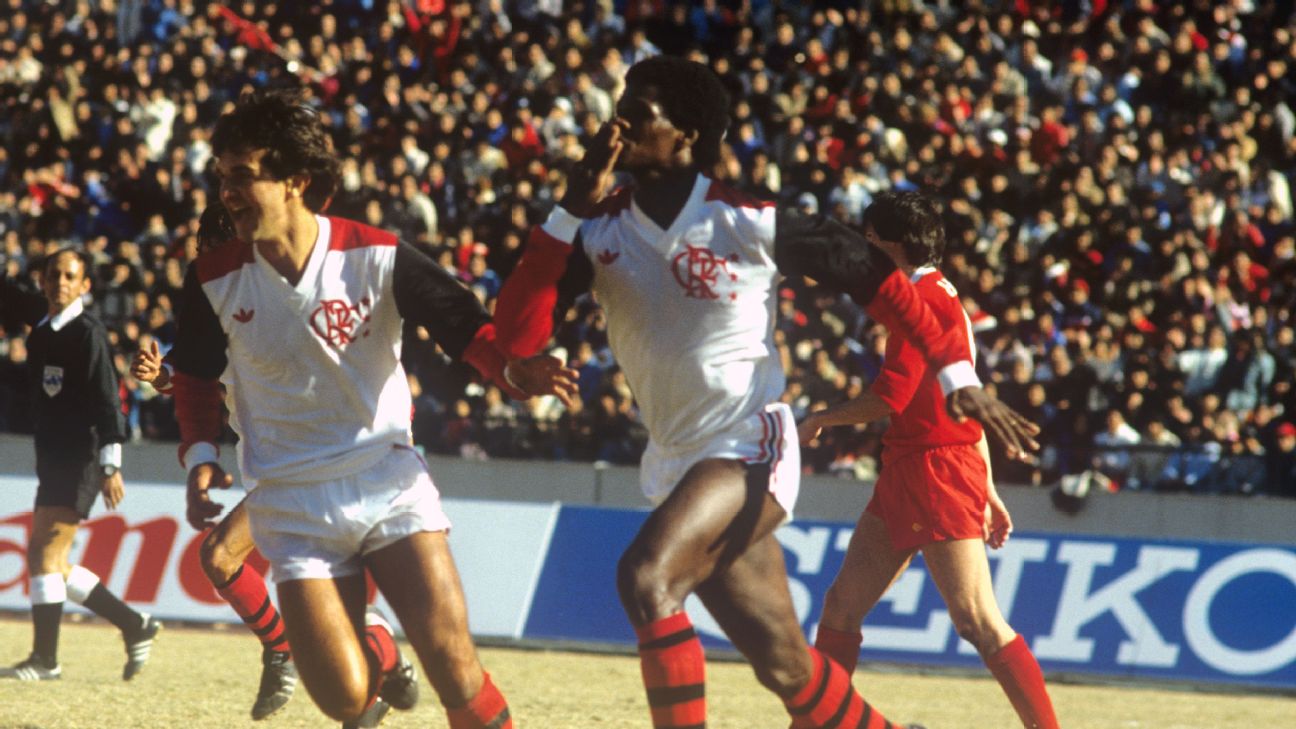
[
  {"x": 48, "y": 589},
  {"x": 80, "y": 583}
]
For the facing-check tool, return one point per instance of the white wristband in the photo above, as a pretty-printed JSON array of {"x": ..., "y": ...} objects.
[
  {"x": 200, "y": 453},
  {"x": 957, "y": 376},
  {"x": 562, "y": 224},
  {"x": 111, "y": 455}
]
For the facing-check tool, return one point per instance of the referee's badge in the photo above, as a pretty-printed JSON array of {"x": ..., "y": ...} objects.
[{"x": 53, "y": 380}]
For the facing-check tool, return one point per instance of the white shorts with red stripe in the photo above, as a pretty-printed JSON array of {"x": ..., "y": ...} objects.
[{"x": 769, "y": 437}]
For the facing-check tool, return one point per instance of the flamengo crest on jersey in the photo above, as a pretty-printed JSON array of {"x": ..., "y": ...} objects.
[
  {"x": 690, "y": 309},
  {"x": 314, "y": 381}
]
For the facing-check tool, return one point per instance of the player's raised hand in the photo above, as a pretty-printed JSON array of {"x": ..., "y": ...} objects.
[
  {"x": 543, "y": 375},
  {"x": 591, "y": 179},
  {"x": 1003, "y": 424},
  {"x": 200, "y": 510}
]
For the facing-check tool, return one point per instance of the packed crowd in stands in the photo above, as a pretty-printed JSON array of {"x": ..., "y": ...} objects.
[{"x": 1117, "y": 179}]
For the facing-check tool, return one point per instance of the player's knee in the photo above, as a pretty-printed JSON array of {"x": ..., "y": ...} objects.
[
  {"x": 344, "y": 704},
  {"x": 974, "y": 628},
  {"x": 786, "y": 677},
  {"x": 217, "y": 561},
  {"x": 642, "y": 582},
  {"x": 41, "y": 560}
]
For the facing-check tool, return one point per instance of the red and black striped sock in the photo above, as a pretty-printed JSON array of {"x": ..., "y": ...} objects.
[
  {"x": 381, "y": 645},
  {"x": 830, "y": 702},
  {"x": 674, "y": 672},
  {"x": 487, "y": 710},
  {"x": 1017, "y": 671},
  {"x": 840, "y": 645},
  {"x": 246, "y": 593}
]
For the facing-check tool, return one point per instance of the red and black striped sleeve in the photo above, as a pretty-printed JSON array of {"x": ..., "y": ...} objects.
[
  {"x": 551, "y": 274},
  {"x": 198, "y": 359}
]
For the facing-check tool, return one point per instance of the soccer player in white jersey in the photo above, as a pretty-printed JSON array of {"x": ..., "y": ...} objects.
[
  {"x": 687, "y": 271},
  {"x": 936, "y": 493},
  {"x": 300, "y": 319},
  {"x": 225, "y": 550}
]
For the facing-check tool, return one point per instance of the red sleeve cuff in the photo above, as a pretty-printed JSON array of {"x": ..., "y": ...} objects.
[{"x": 483, "y": 354}]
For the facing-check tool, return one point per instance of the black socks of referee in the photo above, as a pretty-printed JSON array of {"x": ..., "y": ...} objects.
[
  {"x": 84, "y": 587},
  {"x": 45, "y": 632}
]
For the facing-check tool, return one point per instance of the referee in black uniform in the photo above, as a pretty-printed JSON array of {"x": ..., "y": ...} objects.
[{"x": 79, "y": 431}]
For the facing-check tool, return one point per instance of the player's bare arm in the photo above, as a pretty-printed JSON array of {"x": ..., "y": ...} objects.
[
  {"x": 998, "y": 524},
  {"x": 866, "y": 408}
]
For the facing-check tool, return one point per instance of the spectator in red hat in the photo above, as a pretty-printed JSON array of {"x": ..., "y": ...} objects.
[{"x": 1280, "y": 462}]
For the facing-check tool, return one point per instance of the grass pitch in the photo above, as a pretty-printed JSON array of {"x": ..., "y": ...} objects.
[{"x": 201, "y": 677}]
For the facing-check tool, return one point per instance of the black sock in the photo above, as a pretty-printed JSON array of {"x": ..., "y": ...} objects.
[
  {"x": 45, "y": 630},
  {"x": 107, "y": 605}
]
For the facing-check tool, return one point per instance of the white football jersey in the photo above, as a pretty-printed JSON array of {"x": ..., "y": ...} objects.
[
  {"x": 690, "y": 309},
  {"x": 314, "y": 382}
]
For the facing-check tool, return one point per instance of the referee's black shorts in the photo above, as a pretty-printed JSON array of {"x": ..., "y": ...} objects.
[{"x": 68, "y": 479}]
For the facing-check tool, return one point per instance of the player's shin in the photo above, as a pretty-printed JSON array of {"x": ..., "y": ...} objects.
[
  {"x": 84, "y": 588},
  {"x": 674, "y": 672},
  {"x": 48, "y": 593},
  {"x": 830, "y": 700},
  {"x": 1017, "y": 671},
  {"x": 246, "y": 592},
  {"x": 843, "y": 646}
]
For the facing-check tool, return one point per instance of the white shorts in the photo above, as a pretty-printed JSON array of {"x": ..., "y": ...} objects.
[
  {"x": 321, "y": 529},
  {"x": 769, "y": 437}
]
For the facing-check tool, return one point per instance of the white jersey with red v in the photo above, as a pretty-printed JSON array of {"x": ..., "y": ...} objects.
[
  {"x": 312, "y": 371},
  {"x": 691, "y": 308}
]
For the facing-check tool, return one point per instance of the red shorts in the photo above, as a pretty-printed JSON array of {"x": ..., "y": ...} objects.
[{"x": 932, "y": 495}]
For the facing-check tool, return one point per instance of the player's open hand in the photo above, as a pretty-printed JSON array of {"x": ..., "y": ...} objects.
[
  {"x": 591, "y": 179},
  {"x": 1005, "y": 425},
  {"x": 200, "y": 510},
  {"x": 147, "y": 365},
  {"x": 998, "y": 522},
  {"x": 543, "y": 375},
  {"x": 113, "y": 490}
]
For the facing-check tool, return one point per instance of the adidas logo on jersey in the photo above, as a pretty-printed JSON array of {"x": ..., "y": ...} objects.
[{"x": 243, "y": 316}]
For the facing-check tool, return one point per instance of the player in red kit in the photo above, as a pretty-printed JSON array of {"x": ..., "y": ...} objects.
[
  {"x": 687, "y": 271},
  {"x": 935, "y": 492}
]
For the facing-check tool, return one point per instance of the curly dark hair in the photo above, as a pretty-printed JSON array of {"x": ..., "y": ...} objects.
[
  {"x": 214, "y": 227},
  {"x": 692, "y": 97},
  {"x": 279, "y": 120},
  {"x": 911, "y": 219}
]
